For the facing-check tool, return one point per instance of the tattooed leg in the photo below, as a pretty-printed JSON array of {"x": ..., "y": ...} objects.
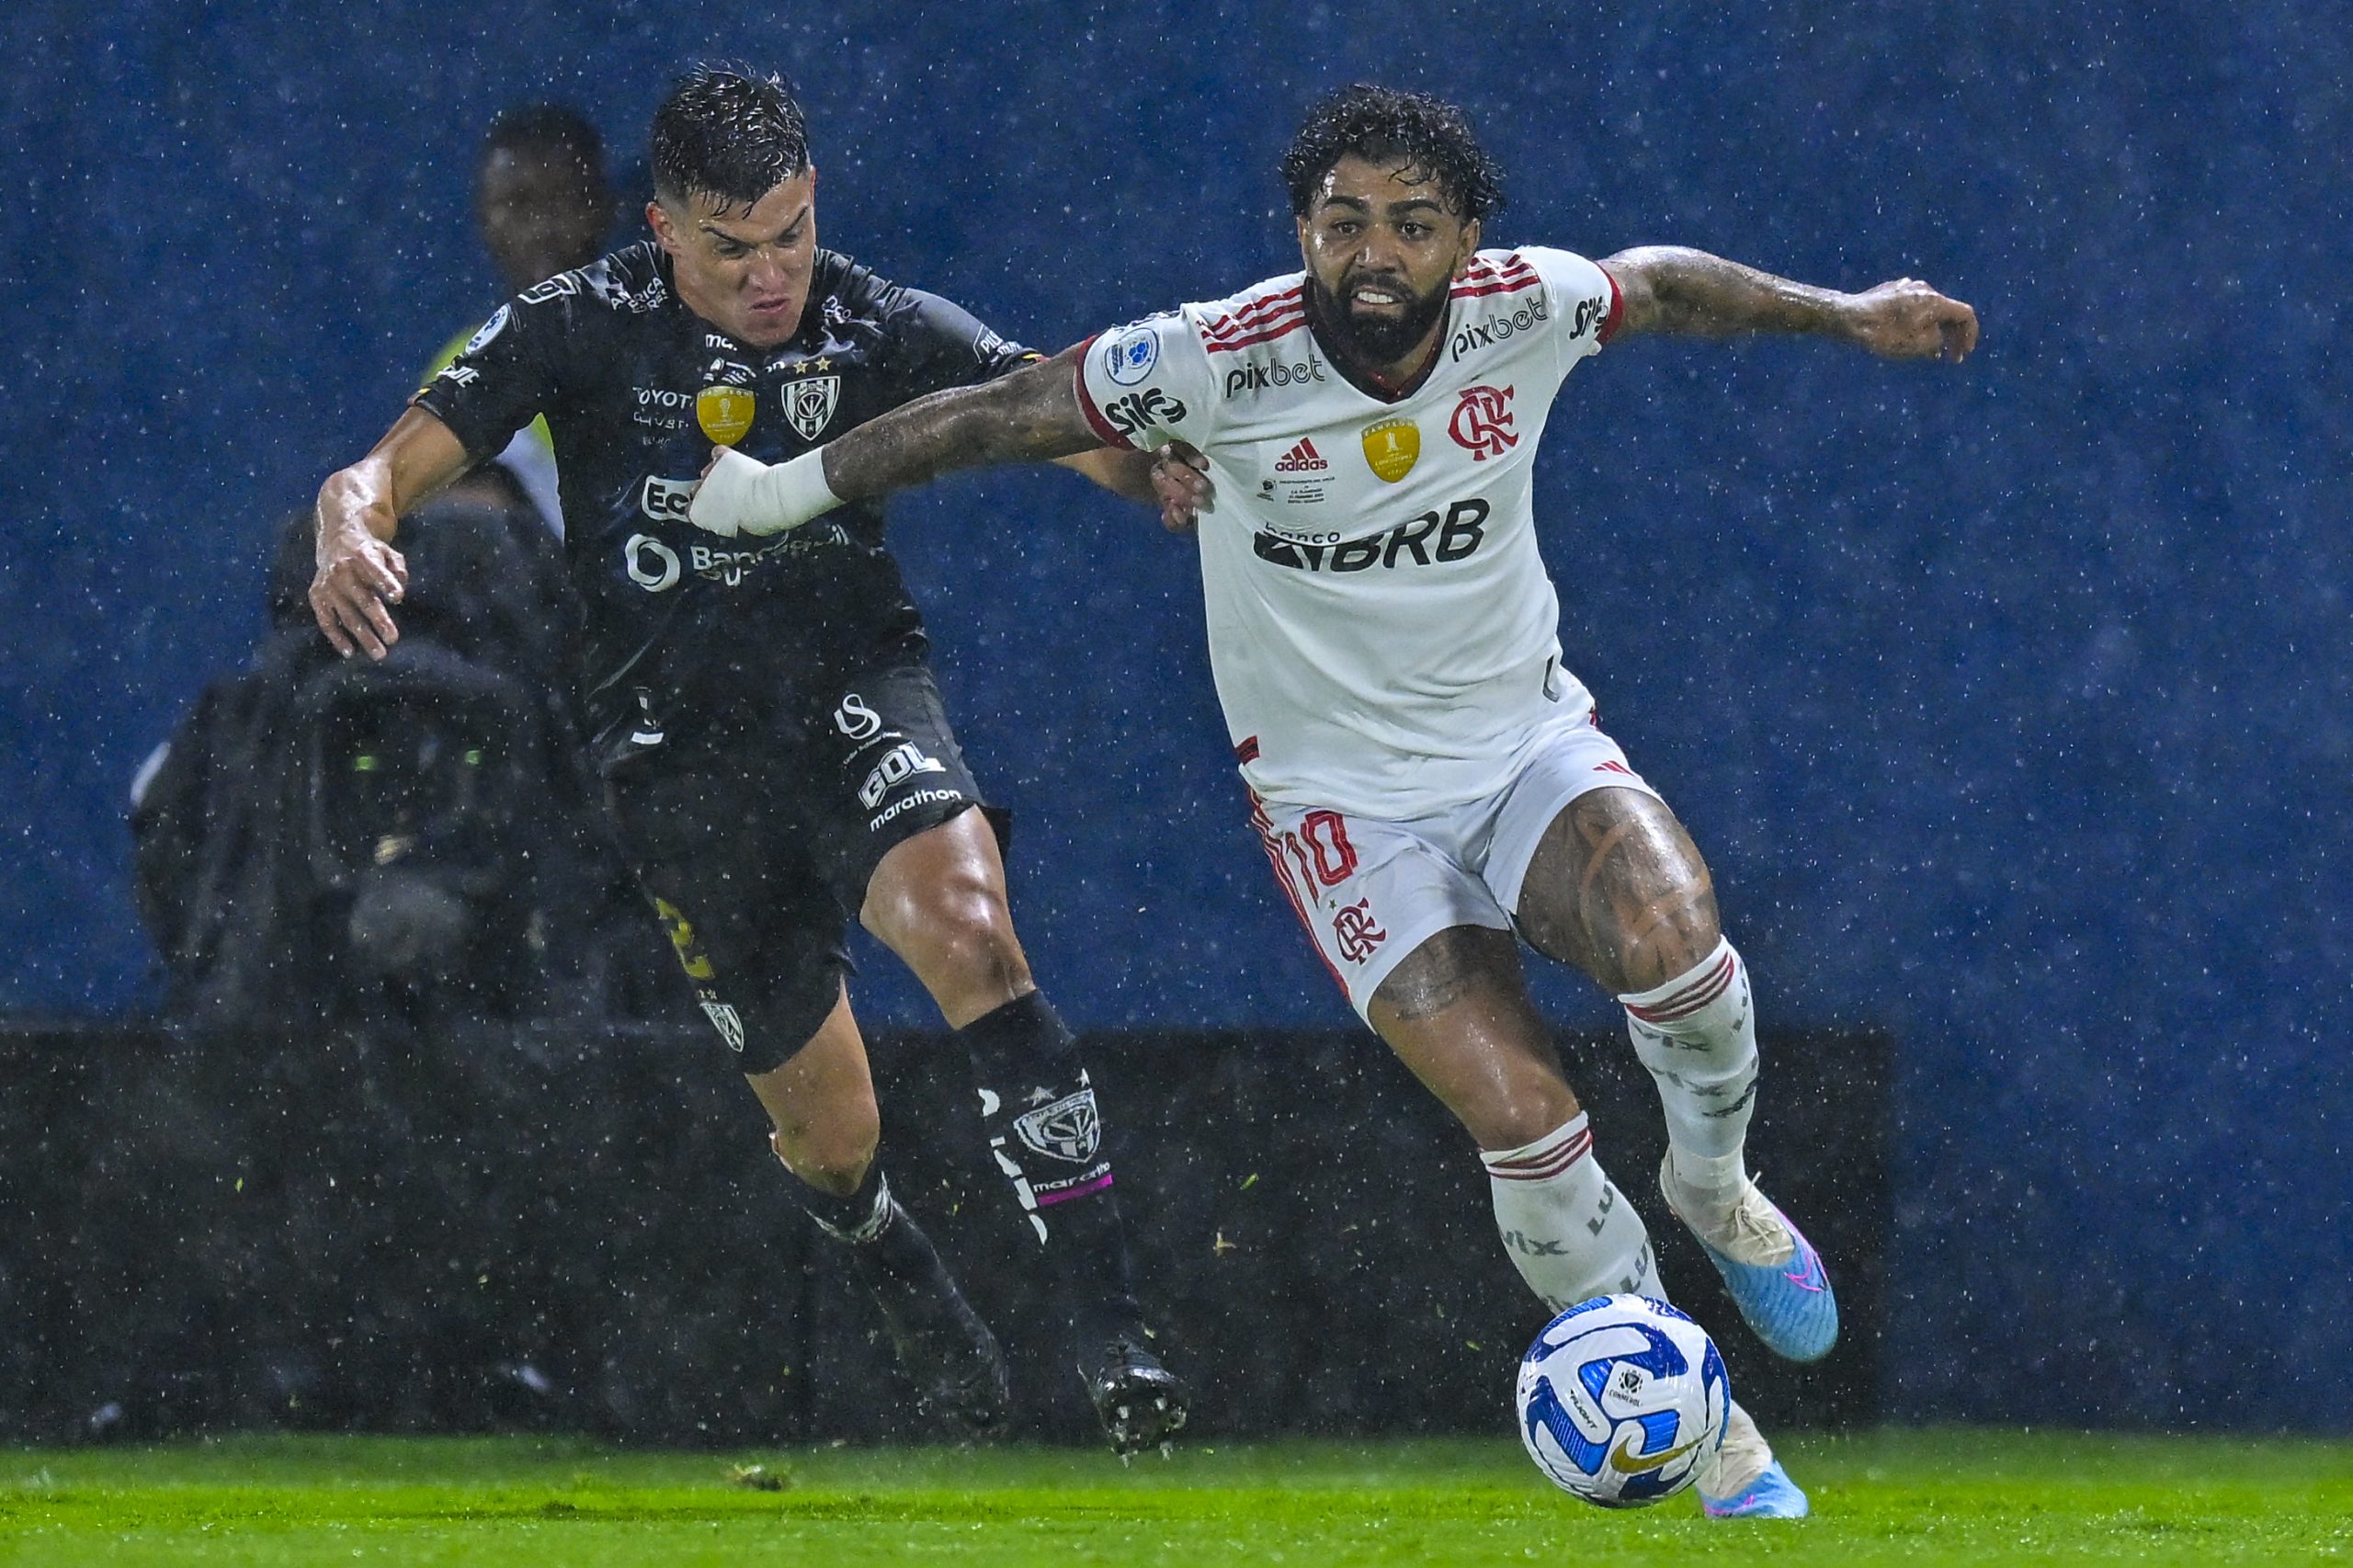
[
  {"x": 1457, "y": 1013},
  {"x": 1618, "y": 889}
]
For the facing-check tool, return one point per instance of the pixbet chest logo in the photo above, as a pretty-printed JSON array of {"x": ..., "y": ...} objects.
[
  {"x": 1496, "y": 329},
  {"x": 1481, "y": 421},
  {"x": 1254, "y": 377}
]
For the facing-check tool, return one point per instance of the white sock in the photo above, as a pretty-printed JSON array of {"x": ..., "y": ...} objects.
[
  {"x": 1570, "y": 1233},
  {"x": 1742, "y": 1457},
  {"x": 1697, "y": 1035}
]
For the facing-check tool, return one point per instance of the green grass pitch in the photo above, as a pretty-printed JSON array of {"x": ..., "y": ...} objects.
[{"x": 1917, "y": 1498}]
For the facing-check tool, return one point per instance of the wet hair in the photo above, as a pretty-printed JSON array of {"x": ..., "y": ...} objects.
[
  {"x": 1383, "y": 125},
  {"x": 545, "y": 128},
  {"x": 729, "y": 134}
]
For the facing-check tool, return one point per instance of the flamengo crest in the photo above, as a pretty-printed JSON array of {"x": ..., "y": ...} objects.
[
  {"x": 809, "y": 404},
  {"x": 1482, "y": 423}
]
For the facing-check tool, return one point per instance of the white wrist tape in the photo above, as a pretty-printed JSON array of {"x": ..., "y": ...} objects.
[{"x": 743, "y": 496}]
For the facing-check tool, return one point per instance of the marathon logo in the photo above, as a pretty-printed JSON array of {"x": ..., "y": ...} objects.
[
  {"x": 1302, "y": 458},
  {"x": 1429, "y": 539},
  {"x": 909, "y": 803}
]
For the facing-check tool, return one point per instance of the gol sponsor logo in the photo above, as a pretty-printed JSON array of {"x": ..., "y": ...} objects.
[
  {"x": 1391, "y": 448},
  {"x": 724, "y": 412},
  {"x": 898, "y": 765}
]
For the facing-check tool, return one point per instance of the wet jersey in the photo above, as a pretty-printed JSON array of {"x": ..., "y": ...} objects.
[
  {"x": 1383, "y": 631},
  {"x": 685, "y": 634}
]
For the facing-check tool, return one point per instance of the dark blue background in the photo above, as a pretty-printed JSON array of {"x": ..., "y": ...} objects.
[{"x": 2010, "y": 704}]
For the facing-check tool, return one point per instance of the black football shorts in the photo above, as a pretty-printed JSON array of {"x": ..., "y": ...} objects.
[{"x": 757, "y": 851}]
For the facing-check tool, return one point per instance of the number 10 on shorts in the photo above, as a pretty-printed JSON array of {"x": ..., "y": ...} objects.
[{"x": 1310, "y": 862}]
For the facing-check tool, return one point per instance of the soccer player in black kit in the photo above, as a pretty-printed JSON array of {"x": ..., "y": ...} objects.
[{"x": 777, "y": 756}]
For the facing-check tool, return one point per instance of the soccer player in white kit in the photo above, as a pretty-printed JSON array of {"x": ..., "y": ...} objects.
[{"x": 1355, "y": 444}]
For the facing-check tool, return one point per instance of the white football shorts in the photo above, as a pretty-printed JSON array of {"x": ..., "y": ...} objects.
[{"x": 1370, "y": 892}]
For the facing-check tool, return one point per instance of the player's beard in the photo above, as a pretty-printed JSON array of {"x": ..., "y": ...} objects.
[{"x": 1377, "y": 341}]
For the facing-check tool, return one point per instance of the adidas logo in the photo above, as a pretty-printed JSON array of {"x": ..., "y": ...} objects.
[{"x": 1302, "y": 458}]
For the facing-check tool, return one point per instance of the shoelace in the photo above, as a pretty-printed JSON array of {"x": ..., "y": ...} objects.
[{"x": 1753, "y": 1234}]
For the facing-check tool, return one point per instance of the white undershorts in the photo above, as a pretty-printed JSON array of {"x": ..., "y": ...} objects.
[{"x": 1370, "y": 892}]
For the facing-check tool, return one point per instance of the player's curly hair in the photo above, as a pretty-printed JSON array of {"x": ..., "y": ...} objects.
[
  {"x": 1384, "y": 125},
  {"x": 727, "y": 132}
]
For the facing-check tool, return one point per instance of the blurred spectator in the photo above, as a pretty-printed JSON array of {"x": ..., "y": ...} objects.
[{"x": 543, "y": 206}]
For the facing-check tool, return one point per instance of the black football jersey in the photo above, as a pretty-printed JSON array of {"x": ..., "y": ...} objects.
[{"x": 685, "y": 633}]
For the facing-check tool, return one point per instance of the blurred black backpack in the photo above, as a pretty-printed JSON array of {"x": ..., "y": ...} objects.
[{"x": 329, "y": 840}]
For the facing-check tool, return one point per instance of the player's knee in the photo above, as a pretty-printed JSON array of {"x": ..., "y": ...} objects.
[
  {"x": 1677, "y": 928},
  {"x": 831, "y": 1151},
  {"x": 958, "y": 935},
  {"x": 1521, "y": 1114}
]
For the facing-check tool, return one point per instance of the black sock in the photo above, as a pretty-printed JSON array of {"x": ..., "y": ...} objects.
[
  {"x": 1046, "y": 1135},
  {"x": 887, "y": 1248}
]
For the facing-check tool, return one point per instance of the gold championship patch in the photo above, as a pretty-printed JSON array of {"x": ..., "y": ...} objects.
[
  {"x": 1391, "y": 448},
  {"x": 724, "y": 412}
]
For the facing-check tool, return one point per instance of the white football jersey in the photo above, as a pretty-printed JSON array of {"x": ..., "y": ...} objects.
[{"x": 1383, "y": 631}]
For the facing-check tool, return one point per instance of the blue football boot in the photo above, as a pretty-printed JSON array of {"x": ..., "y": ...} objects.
[
  {"x": 1772, "y": 1496},
  {"x": 1776, "y": 1278},
  {"x": 1766, "y": 1494}
]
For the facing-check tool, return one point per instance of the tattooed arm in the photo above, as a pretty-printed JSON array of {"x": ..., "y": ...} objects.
[
  {"x": 1032, "y": 415},
  {"x": 1667, "y": 289}
]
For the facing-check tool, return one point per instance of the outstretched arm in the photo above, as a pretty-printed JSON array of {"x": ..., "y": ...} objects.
[
  {"x": 1032, "y": 415},
  {"x": 1123, "y": 473},
  {"x": 1669, "y": 288}
]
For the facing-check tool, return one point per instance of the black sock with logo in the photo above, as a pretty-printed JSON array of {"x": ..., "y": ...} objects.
[
  {"x": 887, "y": 1248},
  {"x": 1045, "y": 1135}
]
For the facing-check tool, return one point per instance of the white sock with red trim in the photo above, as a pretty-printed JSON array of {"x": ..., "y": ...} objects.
[
  {"x": 1570, "y": 1233},
  {"x": 1698, "y": 1036}
]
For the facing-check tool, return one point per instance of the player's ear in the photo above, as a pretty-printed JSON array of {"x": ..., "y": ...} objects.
[
  {"x": 659, "y": 221},
  {"x": 1466, "y": 247}
]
